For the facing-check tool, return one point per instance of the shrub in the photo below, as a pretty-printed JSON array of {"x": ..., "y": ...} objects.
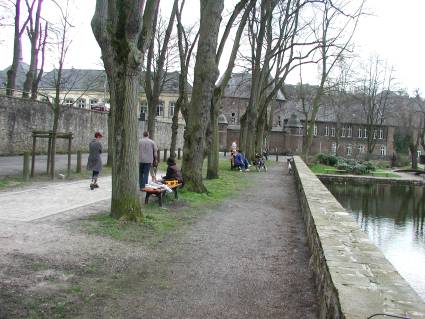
[
  {"x": 369, "y": 166},
  {"x": 332, "y": 160},
  {"x": 359, "y": 169}
]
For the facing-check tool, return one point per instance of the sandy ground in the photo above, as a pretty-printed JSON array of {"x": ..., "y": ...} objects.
[{"x": 246, "y": 258}]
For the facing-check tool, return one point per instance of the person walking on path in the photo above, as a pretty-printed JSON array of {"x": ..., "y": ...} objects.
[
  {"x": 94, "y": 162},
  {"x": 147, "y": 156}
]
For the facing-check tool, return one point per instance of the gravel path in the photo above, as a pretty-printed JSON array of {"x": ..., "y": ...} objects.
[{"x": 247, "y": 258}]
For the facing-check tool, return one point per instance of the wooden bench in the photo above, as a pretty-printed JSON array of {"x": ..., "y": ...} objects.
[{"x": 161, "y": 192}]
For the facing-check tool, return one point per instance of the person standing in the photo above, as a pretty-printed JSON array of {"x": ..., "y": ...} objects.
[
  {"x": 94, "y": 162},
  {"x": 147, "y": 156}
]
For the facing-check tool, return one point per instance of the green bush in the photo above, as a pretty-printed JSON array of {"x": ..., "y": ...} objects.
[
  {"x": 359, "y": 169},
  {"x": 344, "y": 166},
  {"x": 369, "y": 166}
]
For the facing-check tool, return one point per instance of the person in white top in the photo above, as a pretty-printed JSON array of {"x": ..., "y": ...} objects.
[{"x": 234, "y": 146}]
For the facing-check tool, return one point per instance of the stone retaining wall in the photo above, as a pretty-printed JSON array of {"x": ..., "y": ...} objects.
[
  {"x": 369, "y": 180},
  {"x": 353, "y": 278},
  {"x": 19, "y": 117}
]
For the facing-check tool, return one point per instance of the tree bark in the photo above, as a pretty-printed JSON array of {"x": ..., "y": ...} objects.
[
  {"x": 213, "y": 154},
  {"x": 17, "y": 50},
  {"x": 33, "y": 34},
  {"x": 123, "y": 32},
  {"x": 205, "y": 75}
]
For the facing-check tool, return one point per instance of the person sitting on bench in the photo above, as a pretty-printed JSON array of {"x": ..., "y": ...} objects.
[
  {"x": 173, "y": 173},
  {"x": 241, "y": 161}
]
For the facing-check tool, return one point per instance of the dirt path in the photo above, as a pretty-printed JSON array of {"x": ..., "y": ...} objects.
[{"x": 246, "y": 259}]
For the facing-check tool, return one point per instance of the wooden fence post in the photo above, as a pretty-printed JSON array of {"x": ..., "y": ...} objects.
[
  {"x": 79, "y": 159},
  {"x": 69, "y": 156},
  {"x": 179, "y": 153},
  {"x": 33, "y": 154},
  {"x": 26, "y": 168},
  {"x": 277, "y": 155}
]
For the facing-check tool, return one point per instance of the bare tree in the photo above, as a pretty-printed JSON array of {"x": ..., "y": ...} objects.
[
  {"x": 213, "y": 149},
  {"x": 374, "y": 92},
  {"x": 187, "y": 39},
  {"x": 17, "y": 45},
  {"x": 334, "y": 42},
  {"x": 62, "y": 43},
  {"x": 123, "y": 31},
  {"x": 276, "y": 31},
  {"x": 205, "y": 75},
  {"x": 156, "y": 66},
  {"x": 37, "y": 40}
]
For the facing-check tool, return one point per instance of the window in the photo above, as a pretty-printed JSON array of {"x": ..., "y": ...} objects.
[
  {"x": 374, "y": 134},
  {"x": 143, "y": 110},
  {"x": 332, "y": 131},
  {"x": 365, "y": 133},
  {"x": 81, "y": 103},
  {"x": 350, "y": 131},
  {"x": 360, "y": 149},
  {"x": 315, "y": 130},
  {"x": 419, "y": 153},
  {"x": 160, "y": 109},
  {"x": 333, "y": 148},
  {"x": 349, "y": 150},
  {"x": 383, "y": 150},
  {"x": 233, "y": 118},
  {"x": 93, "y": 102},
  {"x": 171, "y": 106},
  {"x": 326, "y": 130},
  {"x": 381, "y": 134},
  {"x": 343, "y": 131},
  {"x": 360, "y": 132},
  {"x": 69, "y": 101}
]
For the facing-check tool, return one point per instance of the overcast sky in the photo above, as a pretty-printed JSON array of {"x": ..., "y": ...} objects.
[{"x": 392, "y": 31}]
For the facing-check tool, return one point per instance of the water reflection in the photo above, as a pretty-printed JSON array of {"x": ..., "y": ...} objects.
[{"x": 393, "y": 217}]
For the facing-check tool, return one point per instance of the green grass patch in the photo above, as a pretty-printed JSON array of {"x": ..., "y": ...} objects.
[
  {"x": 9, "y": 182},
  {"x": 383, "y": 173},
  {"x": 321, "y": 168},
  {"x": 326, "y": 169},
  {"x": 159, "y": 222}
]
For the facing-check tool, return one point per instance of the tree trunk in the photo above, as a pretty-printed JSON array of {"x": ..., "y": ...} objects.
[
  {"x": 212, "y": 168},
  {"x": 414, "y": 155},
  {"x": 17, "y": 53},
  {"x": 175, "y": 129},
  {"x": 124, "y": 88},
  {"x": 109, "y": 161},
  {"x": 205, "y": 75},
  {"x": 123, "y": 32},
  {"x": 34, "y": 37},
  {"x": 259, "y": 136},
  {"x": 56, "y": 114}
]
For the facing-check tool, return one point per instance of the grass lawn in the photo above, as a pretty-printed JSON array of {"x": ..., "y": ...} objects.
[
  {"x": 158, "y": 222},
  {"x": 326, "y": 169}
]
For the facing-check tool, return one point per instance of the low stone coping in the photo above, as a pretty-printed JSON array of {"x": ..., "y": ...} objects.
[
  {"x": 357, "y": 179},
  {"x": 353, "y": 278}
]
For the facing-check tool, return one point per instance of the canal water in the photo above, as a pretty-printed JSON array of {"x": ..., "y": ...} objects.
[{"x": 393, "y": 217}]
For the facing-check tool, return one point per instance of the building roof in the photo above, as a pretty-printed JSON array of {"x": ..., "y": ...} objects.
[
  {"x": 239, "y": 86},
  {"x": 84, "y": 79},
  {"x": 20, "y": 75},
  {"x": 347, "y": 109}
]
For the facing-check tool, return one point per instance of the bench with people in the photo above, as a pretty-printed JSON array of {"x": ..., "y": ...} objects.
[{"x": 171, "y": 182}]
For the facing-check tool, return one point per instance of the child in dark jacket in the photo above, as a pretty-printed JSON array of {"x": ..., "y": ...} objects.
[{"x": 172, "y": 171}]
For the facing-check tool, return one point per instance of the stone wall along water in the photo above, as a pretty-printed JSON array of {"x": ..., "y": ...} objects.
[{"x": 353, "y": 278}]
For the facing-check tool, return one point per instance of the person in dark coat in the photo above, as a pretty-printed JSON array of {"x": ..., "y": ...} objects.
[
  {"x": 172, "y": 171},
  {"x": 94, "y": 162}
]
